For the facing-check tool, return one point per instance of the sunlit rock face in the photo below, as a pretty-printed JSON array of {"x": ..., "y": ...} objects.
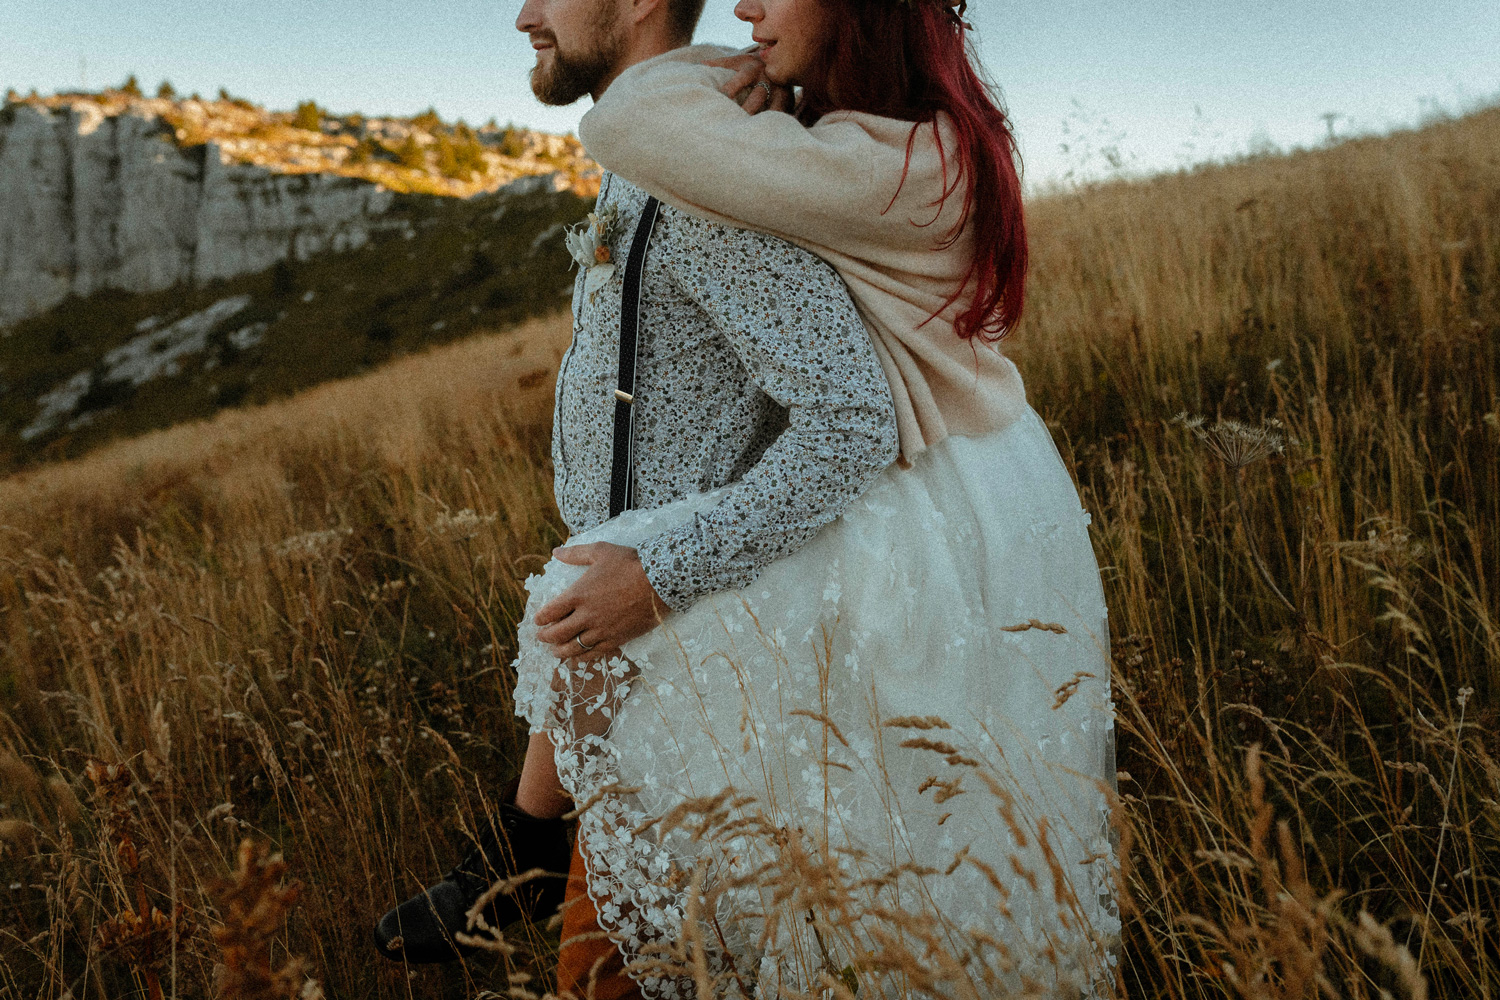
[{"x": 90, "y": 201}]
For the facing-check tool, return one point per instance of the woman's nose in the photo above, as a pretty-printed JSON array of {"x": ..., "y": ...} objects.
[{"x": 749, "y": 10}]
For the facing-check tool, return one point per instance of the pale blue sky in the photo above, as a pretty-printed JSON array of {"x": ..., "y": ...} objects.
[{"x": 1139, "y": 72}]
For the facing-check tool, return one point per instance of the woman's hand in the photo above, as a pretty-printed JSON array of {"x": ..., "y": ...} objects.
[
  {"x": 611, "y": 604},
  {"x": 751, "y": 89}
]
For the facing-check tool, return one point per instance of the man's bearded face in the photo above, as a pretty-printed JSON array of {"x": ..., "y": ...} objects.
[{"x": 585, "y": 48}]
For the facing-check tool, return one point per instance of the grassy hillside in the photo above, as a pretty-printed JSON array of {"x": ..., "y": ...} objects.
[
  {"x": 116, "y": 364},
  {"x": 293, "y": 623}
]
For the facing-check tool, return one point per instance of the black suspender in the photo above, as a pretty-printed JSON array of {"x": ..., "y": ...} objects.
[{"x": 622, "y": 477}]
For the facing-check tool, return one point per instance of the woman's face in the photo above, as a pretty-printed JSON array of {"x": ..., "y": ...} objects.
[{"x": 790, "y": 34}]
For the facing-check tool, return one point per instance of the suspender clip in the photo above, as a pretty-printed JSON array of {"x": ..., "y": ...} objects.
[{"x": 624, "y": 397}]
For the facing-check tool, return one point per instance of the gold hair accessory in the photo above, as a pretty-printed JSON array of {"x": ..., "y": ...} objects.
[{"x": 955, "y": 8}]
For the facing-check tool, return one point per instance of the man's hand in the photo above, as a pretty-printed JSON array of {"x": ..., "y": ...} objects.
[
  {"x": 610, "y": 605},
  {"x": 751, "y": 89}
]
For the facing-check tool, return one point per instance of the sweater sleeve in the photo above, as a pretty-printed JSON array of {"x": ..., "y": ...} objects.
[
  {"x": 854, "y": 183},
  {"x": 791, "y": 322}
]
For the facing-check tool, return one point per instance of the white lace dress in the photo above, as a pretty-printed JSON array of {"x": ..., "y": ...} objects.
[{"x": 887, "y": 761}]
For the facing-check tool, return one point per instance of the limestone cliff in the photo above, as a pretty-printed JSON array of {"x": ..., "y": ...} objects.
[
  {"x": 116, "y": 190},
  {"x": 90, "y": 201}
]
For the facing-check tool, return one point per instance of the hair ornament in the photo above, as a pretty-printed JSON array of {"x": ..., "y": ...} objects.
[{"x": 956, "y": 9}]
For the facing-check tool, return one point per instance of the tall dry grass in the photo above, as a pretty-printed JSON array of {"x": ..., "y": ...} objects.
[
  {"x": 293, "y": 624},
  {"x": 1353, "y": 295},
  {"x": 290, "y": 624}
]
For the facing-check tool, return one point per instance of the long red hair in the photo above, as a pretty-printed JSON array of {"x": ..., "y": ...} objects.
[{"x": 911, "y": 60}]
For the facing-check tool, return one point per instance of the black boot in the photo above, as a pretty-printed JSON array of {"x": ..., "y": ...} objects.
[{"x": 421, "y": 930}]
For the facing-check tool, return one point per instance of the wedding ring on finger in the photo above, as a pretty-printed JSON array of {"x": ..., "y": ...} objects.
[
  {"x": 583, "y": 645},
  {"x": 763, "y": 85}
]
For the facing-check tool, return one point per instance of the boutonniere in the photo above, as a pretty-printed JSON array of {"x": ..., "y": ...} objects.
[{"x": 589, "y": 244}]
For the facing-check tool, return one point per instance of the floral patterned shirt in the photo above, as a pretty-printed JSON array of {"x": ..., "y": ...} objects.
[{"x": 754, "y": 370}]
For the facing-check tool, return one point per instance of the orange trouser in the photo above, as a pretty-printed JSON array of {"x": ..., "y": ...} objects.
[{"x": 595, "y": 955}]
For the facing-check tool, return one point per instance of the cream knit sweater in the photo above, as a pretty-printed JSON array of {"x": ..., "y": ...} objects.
[{"x": 664, "y": 126}]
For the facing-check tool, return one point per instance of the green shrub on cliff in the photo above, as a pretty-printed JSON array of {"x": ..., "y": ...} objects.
[
  {"x": 309, "y": 117},
  {"x": 366, "y": 152},
  {"x": 462, "y": 157},
  {"x": 411, "y": 154},
  {"x": 512, "y": 143}
]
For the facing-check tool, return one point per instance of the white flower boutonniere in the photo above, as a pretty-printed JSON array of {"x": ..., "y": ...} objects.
[{"x": 589, "y": 243}]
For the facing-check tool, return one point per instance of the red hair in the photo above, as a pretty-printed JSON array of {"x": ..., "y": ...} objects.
[{"x": 910, "y": 60}]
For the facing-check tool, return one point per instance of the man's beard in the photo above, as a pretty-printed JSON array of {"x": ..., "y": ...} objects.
[{"x": 575, "y": 74}]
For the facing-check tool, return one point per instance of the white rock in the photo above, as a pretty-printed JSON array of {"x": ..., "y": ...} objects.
[
  {"x": 247, "y": 337},
  {"x": 157, "y": 353},
  {"x": 57, "y": 404}
]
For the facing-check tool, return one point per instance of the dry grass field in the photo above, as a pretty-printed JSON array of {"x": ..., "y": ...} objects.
[{"x": 292, "y": 625}]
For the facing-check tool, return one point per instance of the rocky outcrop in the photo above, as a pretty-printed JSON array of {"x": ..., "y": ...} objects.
[{"x": 91, "y": 201}]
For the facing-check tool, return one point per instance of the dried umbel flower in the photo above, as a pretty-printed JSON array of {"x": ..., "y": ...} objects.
[
  {"x": 390, "y": 590},
  {"x": 461, "y": 527},
  {"x": 1240, "y": 446},
  {"x": 1237, "y": 445},
  {"x": 313, "y": 545},
  {"x": 1386, "y": 544}
]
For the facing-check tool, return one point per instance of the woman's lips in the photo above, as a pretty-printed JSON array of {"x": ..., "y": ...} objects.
[{"x": 764, "y": 50}]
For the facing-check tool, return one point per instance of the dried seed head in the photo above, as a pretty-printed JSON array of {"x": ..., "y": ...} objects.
[
  {"x": 916, "y": 722},
  {"x": 161, "y": 732},
  {"x": 1375, "y": 939},
  {"x": 65, "y": 798},
  {"x": 1065, "y": 693},
  {"x": 17, "y": 832},
  {"x": 16, "y": 776},
  {"x": 254, "y": 903}
]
